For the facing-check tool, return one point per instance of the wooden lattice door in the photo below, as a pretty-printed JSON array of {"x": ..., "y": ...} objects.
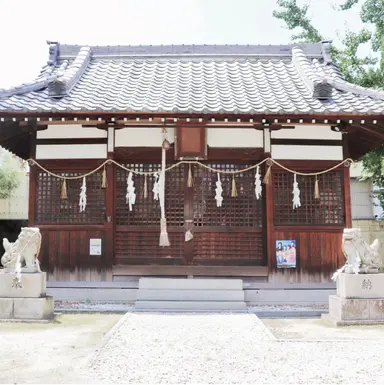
[
  {"x": 233, "y": 233},
  {"x": 230, "y": 235}
]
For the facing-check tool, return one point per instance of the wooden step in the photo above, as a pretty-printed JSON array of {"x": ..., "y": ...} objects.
[
  {"x": 190, "y": 284},
  {"x": 190, "y": 305}
]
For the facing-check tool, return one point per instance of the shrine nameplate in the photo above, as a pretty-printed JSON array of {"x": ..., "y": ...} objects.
[{"x": 191, "y": 142}]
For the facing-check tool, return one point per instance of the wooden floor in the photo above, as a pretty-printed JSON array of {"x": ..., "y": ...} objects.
[{"x": 212, "y": 271}]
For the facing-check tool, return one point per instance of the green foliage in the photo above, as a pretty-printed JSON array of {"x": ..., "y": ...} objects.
[
  {"x": 9, "y": 179},
  {"x": 296, "y": 17},
  {"x": 365, "y": 71}
]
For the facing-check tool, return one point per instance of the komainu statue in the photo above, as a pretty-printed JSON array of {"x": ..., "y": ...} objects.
[
  {"x": 360, "y": 257},
  {"x": 22, "y": 255}
]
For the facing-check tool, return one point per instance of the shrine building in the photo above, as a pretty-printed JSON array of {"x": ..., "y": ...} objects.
[{"x": 190, "y": 160}]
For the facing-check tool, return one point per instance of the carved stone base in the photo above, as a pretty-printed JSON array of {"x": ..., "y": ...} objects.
[
  {"x": 348, "y": 311},
  {"x": 26, "y": 308},
  {"x": 33, "y": 285},
  {"x": 359, "y": 300}
]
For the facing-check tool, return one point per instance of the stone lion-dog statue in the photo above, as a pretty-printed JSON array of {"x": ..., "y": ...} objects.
[
  {"x": 21, "y": 256},
  {"x": 361, "y": 258}
]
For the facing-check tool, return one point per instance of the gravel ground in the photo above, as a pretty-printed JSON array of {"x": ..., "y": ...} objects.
[
  {"x": 92, "y": 306},
  {"x": 227, "y": 348},
  {"x": 123, "y": 307}
]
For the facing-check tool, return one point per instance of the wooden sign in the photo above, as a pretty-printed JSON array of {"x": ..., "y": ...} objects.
[{"x": 191, "y": 142}]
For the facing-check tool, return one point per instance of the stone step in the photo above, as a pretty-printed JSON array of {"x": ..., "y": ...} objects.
[
  {"x": 190, "y": 305},
  {"x": 190, "y": 284},
  {"x": 190, "y": 295}
]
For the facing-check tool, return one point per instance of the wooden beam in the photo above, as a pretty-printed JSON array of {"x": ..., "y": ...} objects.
[{"x": 375, "y": 133}]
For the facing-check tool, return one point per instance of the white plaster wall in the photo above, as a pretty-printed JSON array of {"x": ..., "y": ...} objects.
[
  {"x": 70, "y": 131},
  {"x": 307, "y": 152},
  {"x": 234, "y": 137},
  {"x": 307, "y": 132},
  {"x": 361, "y": 199},
  {"x": 71, "y": 151},
  {"x": 142, "y": 137},
  {"x": 356, "y": 170}
]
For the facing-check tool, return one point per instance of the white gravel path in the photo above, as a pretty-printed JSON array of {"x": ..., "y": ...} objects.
[{"x": 227, "y": 348}]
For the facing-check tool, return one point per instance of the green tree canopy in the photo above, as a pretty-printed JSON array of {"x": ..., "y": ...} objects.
[
  {"x": 9, "y": 179},
  {"x": 366, "y": 71}
]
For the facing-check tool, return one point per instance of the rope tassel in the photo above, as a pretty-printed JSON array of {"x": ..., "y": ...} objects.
[
  {"x": 267, "y": 177},
  {"x": 64, "y": 194},
  {"x": 316, "y": 193},
  {"x": 234, "y": 189},
  {"x": 190, "y": 177},
  {"x": 145, "y": 187},
  {"x": 104, "y": 182}
]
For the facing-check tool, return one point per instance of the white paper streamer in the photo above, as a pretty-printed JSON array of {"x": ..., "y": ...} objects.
[
  {"x": 258, "y": 188},
  {"x": 296, "y": 193},
  {"x": 156, "y": 187},
  {"x": 83, "y": 196},
  {"x": 219, "y": 192},
  {"x": 130, "y": 196}
]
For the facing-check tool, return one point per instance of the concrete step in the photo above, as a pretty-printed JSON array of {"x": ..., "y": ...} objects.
[
  {"x": 190, "y": 284},
  {"x": 190, "y": 295},
  {"x": 190, "y": 305}
]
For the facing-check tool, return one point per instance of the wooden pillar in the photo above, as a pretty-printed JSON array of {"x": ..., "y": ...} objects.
[
  {"x": 268, "y": 188},
  {"x": 347, "y": 197},
  {"x": 110, "y": 203},
  {"x": 347, "y": 186},
  {"x": 32, "y": 181}
]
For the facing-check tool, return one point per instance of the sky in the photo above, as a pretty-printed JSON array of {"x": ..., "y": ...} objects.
[{"x": 26, "y": 25}]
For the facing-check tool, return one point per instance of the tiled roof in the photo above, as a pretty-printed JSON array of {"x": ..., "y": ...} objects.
[{"x": 192, "y": 79}]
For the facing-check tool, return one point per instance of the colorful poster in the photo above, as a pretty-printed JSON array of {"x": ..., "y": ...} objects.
[
  {"x": 95, "y": 246},
  {"x": 286, "y": 253}
]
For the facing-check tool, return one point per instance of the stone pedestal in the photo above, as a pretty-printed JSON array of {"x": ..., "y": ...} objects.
[
  {"x": 359, "y": 300},
  {"x": 28, "y": 302}
]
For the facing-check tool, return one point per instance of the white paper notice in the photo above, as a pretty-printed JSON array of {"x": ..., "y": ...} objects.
[{"x": 95, "y": 246}]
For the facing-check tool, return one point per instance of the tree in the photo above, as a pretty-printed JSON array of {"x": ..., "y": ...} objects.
[
  {"x": 9, "y": 179},
  {"x": 365, "y": 71}
]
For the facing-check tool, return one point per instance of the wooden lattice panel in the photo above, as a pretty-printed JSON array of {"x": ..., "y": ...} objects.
[
  {"x": 142, "y": 247},
  {"x": 328, "y": 210},
  {"x": 50, "y": 208},
  {"x": 219, "y": 248},
  {"x": 244, "y": 210},
  {"x": 146, "y": 211}
]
